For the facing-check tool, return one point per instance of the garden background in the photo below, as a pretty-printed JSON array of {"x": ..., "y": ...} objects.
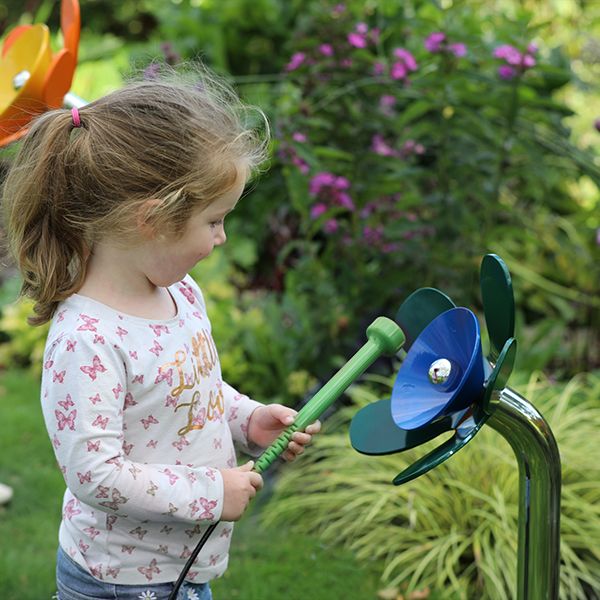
[{"x": 409, "y": 138}]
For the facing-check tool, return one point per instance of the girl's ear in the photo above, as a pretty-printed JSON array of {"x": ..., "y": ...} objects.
[{"x": 143, "y": 219}]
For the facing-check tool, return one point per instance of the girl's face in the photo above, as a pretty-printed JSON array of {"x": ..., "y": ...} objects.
[{"x": 170, "y": 258}]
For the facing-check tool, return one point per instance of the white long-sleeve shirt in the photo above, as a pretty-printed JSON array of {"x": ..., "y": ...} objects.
[{"x": 141, "y": 421}]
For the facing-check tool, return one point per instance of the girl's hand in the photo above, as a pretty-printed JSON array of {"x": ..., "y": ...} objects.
[
  {"x": 240, "y": 485},
  {"x": 269, "y": 421}
]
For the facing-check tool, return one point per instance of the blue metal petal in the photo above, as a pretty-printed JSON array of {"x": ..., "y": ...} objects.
[{"x": 453, "y": 335}]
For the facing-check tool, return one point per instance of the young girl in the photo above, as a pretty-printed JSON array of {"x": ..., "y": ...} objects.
[{"x": 107, "y": 208}]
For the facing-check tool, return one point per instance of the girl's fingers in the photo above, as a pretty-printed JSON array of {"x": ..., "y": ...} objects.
[
  {"x": 301, "y": 438},
  {"x": 313, "y": 428},
  {"x": 295, "y": 448}
]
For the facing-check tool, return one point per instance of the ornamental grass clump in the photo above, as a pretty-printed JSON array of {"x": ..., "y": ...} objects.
[{"x": 455, "y": 529}]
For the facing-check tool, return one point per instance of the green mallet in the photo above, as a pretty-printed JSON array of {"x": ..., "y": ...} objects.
[{"x": 384, "y": 338}]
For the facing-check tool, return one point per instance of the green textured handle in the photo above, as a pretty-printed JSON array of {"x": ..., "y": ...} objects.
[{"x": 384, "y": 337}]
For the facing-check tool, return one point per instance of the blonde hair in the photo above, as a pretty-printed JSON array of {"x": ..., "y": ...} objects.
[{"x": 176, "y": 142}]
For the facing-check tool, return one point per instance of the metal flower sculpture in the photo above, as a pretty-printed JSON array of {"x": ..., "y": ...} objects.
[
  {"x": 444, "y": 383},
  {"x": 33, "y": 78}
]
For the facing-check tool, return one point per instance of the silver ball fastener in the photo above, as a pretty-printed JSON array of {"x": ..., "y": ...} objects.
[
  {"x": 20, "y": 79},
  {"x": 439, "y": 371}
]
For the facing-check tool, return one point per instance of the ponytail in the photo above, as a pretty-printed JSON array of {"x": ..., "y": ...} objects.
[{"x": 50, "y": 252}]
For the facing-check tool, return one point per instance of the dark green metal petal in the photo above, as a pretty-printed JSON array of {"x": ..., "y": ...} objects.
[
  {"x": 373, "y": 431},
  {"x": 499, "y": 377},
  {"x": 418, "y": 310},
  {"x": 498, "y": 303},
  {"x": 465, "y": 432}
]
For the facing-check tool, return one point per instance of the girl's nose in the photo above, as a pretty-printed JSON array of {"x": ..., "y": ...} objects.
[{"x": 221, "y": 237}]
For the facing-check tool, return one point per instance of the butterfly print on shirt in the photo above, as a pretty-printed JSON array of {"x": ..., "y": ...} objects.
[
  {"x": 96, "y": 570},
  {"x": 152, "y": 489},
  {"x": 159, "y": 329},
  {"x": 117, "y": 390},
  {"x": 110, "y": 521},
  {"x": 121, "y": 332},
  {"x": 93, "y": 446},
  {"x": 60, "y": 377},
  {"x": 63, "y": 420},
  {"x": 102, "y": 491},
  {"x": 92, "y": 532},
  {"x": 150, "y": 570},
  {"x": 67, "y": 402},
  {"x": 71, "y": 509},
  {"x": 112, "y": 571},
  {"x": 93, "y": 369},
  {"x": 99, "y": 339},
  {"x": 156, "y": 348},
  {"x": 129, "y": 401},
  {"x": 172, "y": 477},
  {"x": 83, "y": 547},
  {"x": 127, "y": 548},
  {"x": 95, "y": 399},
  {"x": 84, "y": 477},
  {"x": 149, "y": 420},
  {"x": 187, "y": 291},
  {"x": 89, "y": 323},
  {"x": 71, "y": 345},
  {"x": 207, "y": 506},
  {"x": 117, "y": 498},
  {"x": 164, "y": 375},
  {"x": 139, "y": 532},
  {"x": 101, "y": 422}
]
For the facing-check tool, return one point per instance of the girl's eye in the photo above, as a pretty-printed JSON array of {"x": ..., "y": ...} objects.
[{"x": 216, "y": 223}]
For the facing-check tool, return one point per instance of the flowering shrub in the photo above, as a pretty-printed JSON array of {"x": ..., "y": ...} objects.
[{"x": 410, "y": 148}]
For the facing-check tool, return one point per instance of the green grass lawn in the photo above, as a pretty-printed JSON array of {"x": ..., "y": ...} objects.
[{"x": 264, "y": 565}]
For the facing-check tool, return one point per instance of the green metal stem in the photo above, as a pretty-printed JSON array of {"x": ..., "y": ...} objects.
[
  {"x": 384, "y": 337},
  {"x": 535, "y": 448}
]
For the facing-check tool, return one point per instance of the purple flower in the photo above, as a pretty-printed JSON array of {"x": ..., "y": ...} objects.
[
  {"x": 362, "y": 28},
  {"x": 532, "y": 48},
  {"x": 343, "y": 199},
  {"x": 326, "y": 49},
  {"x": 386, "y": 105},
  {"x": 295, "y": 62},
  {"x": 407, "y": 58},
  {"x": 508, "y": 53},
  {"x": 357, "y": 40},
  {"x": 458, "y": 49},
  {"x": 299, "y": 137},
  {"x": 398, "y": 71},
  {"x": 331, "y": 226},
  {"x": 597, "y": 124},
  {"x": 528, "y": 61},
  {"x": 598, "y": 236},
  {"x": 373, "y": 235},
  {"x": 319, "y": 181},
  {"x": 317, "y": 210},
  {"x": 381, "y": 147},
  {"x": 331, "y": 188},
  {"x": 339, "y": 9},
  {"x": 506, "y": 72},
  {"x": 301, "y": 164},
  {"x": 378, "y": 68},
  {"x": 341, "y": 183},
  {"x": 433, "y": 41}
]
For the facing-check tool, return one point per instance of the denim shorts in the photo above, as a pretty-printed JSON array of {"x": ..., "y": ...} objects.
[{"x": 75, "y": 583}]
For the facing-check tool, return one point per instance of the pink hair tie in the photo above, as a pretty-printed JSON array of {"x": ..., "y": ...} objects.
[{"x": 75, "y": 117}]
